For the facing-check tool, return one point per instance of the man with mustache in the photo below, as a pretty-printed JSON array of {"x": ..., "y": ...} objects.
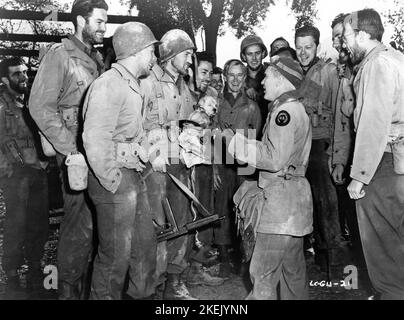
[
  {"x": 252, "y": 52},
  {"x": 116, "y": 148},
  {"x": 65, "y": 73},
  {"x": 377, "y": 170},
  {"x": 23, "y": 181},
  {"x": 237, "y": 112},
  {"x": 330, "y": 145}
]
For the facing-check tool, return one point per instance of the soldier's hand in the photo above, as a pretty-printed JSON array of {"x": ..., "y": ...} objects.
[
  {"x": 355, "y": 190},
  {"x": 251, "y": 93},
  {"x": 337, "y": 174},
  {"x": 159, "y": 164},
  {"x": 217, "y": 181}
]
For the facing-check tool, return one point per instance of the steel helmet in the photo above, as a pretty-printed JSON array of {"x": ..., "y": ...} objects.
[
  {"x": 174, "y": 42},
  {"x": 249, "y": 41},
  {"x": 131, "y": 38}
]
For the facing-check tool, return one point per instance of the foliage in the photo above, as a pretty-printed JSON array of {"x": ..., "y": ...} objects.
[
  {"x": 396, "y": 18},
  {"x": 8, "y": 26},
  {"x": 211, "y": 15},
  {"x": 305, "y": 12}
]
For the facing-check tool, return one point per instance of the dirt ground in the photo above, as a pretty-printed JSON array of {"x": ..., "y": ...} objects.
[{"x": 236, "y": 288}]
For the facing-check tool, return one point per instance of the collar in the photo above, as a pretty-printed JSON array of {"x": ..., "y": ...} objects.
[
  {"x": 314, "y": 62},
  {"x": 72, "y": 43},
  {"x": 260, "y": 72},
  {"x": 127, "y": 75},
  {"x": 372, "y": 53},
  {"x": 9, "y": 97},
  {"x": 233, "y": 100},
  {"x": 162, "y": 74}
]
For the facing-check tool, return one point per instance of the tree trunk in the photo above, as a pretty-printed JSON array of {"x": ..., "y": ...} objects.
[{"x": 211, "y": 26}]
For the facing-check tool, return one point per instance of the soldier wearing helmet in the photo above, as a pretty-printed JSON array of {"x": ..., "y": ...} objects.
[
  {"x": 116, "y": 149},
  {"x": 169, "y": 100},
  {"x": 252, "y": 52},
  {"x": 64, "y": 75}
]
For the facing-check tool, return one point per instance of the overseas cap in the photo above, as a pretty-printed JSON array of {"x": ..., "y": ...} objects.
[
  {"x": 174, "y": 42},
  {"x": 249, "y": 41},
  {"x": 289, "y": 68},
  {"x": 131, "y": 38}
]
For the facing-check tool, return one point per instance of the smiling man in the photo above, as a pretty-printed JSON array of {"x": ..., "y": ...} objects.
[
  {"x": 23, "y": 181},
  {"x": 330, "y": 142},
  {"x": 252, "y": 52},
  {"x": 378, "y": 164},
  {"x": 65, "y": 73},
  {"x": 236, "y": 112}
]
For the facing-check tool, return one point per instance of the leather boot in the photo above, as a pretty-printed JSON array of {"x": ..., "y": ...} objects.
[
  {"x": 176, "y": 289},
  {"x": 225, "y": 267},
  {"x": 197, "y": 275}
]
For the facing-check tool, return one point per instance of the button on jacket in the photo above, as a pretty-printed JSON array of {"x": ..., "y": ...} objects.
[
  {"x": 282, "y": 158},
  {"x": 64, "y": 75},
  {"x": 112, "y": 113},
  {"x": 379, "y": 112}
]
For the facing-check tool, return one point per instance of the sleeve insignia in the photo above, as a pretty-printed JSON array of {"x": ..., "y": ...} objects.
[{"x": 283, "y": 118}]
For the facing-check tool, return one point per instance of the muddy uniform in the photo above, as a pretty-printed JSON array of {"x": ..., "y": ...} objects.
[
  {"x": 64, "y": 75},
  {"x": 113, "y": 139},
  {"x": 26, "y": 190},
  {"x": 330, "y": 145},
  {"x": 166, "y": 102},
  {"x": 282, "y": 220},
  {"x": 239, "y": 113},
  {"x": 379, "y": 125}
]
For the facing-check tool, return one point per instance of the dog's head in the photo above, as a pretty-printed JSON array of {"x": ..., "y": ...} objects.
[{"x": 209, "y": 105}]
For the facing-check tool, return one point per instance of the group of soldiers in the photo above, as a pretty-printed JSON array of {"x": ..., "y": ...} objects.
[{"x": 141, "y": 142}]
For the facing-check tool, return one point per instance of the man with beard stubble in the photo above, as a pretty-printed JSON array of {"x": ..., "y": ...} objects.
[{"x": 65, "y": 73}]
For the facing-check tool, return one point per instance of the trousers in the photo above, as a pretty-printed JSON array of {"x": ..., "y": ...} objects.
[
  {"x": 381, "y": 226},
  {"x": 27, "y": 217},
  {"x": 127, "y": 241},
  {"x": 278, "y": 261}
]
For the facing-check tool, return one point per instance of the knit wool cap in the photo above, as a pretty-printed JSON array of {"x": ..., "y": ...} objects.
[{"x": 289, "y": 68}]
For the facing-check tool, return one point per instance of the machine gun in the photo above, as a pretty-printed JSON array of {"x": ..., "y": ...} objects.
[{"x": 173, "y": 231}]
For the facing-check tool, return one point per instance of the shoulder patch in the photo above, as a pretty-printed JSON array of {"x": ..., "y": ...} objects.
[{"x": 283, "y": 118}]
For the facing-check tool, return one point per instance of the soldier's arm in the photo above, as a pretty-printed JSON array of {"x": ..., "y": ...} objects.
[
  {"x": 277, "y": 144},
  {"x": 43, "y": 102},
  {"x": 255, "y": 119},
  {"x": 377, "y": 89},
  {"x": 100, "y": 113},
  {"x": 4, "y": 163}
]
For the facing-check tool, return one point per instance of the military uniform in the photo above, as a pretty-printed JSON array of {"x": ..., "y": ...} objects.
[
  {"x": 259, "y": 89},
  {"x": 25, "y": 190},
  {"x": 113, "y": 139},
  {"x": 166, "y": 102},
  {"x": 330, "y": 145},
  {"x": 243, "y": 114},
  {"x": 64, "y": 75},
  {"x": 283, "y": 201},
  {"x": 379, "y": 125}
]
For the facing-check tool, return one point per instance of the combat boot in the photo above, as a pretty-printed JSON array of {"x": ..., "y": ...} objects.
[
  {"x": 176, "y": 289},
  {"x": 197, "y": 275}
]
